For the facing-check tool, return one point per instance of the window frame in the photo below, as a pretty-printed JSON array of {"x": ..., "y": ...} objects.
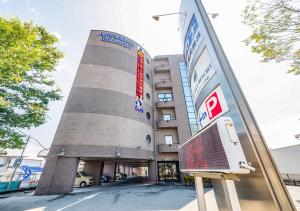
[
  {"x": 166, "y": 139},
  {"x": 164, "y": 115}
]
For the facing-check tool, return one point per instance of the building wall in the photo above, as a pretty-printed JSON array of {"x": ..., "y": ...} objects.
[
  {"x": 182, "y": 131},
  {"x": 287, "y": 159},
  {"x": 101, "y": 104},
  {"x": 99, "y": 121}
]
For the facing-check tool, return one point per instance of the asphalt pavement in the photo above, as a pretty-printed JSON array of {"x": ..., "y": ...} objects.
[{"x": 111, "y": 198}]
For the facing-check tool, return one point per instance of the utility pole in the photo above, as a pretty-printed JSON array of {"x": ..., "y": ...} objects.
[{"x": 18, "y": 165}]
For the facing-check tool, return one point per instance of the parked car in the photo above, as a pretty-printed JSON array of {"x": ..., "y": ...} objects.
[
  {"x": 120, "y": 176},
  {"x": 82, "y": 179},
  {"x": 105, "y": 178}
]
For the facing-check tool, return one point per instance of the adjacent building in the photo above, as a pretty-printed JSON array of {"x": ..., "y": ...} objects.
[
  {"x": 287, "y": 161},
  {"x": 126, "y": 111}
]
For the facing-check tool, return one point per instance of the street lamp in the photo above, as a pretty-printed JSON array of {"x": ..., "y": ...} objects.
[
  {"x": 156, "y": 17},
  {"x": 213, "y": 15}
]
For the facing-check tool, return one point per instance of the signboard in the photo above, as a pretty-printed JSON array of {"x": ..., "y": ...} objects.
[
  {"x": 116, "y": 39},
  {"x": 215, "y": 149},
  {"x": 212, "y": 107},
  {"x": 192, "y": 40},
  {"x": 201, "y": 74},
  {"x": 268, "y": 192},
  {"x": 139, "y": 81},
  {"x": 28, "y": 170}
]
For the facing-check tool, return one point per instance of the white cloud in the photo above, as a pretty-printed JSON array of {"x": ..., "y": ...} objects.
[
  {"x": 28, "y": 2},
  {"x": 34, "y": 11},
  {"x": 59, "y": 37},
  {"x": 4, "y": 0}
]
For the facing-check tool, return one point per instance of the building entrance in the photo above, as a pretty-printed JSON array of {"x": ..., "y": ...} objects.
[{"x": 168, "y": 171}]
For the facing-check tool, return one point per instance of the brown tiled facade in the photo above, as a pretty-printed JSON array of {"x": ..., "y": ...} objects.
[{"x": 100, "y": 125}]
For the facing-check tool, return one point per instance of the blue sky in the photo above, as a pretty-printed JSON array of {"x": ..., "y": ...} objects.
[{"x": 272, "y": 93}]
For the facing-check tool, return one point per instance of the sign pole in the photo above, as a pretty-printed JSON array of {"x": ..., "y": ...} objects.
[
  {"x": 18, "y": 165},
  {"x": 200, "y": 193},
  {"x": 232, "y": 195},
  {"x": 269, "y": 187}
]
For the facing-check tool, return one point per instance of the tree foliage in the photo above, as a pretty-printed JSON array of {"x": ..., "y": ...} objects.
[
  {"x": 276, "y": 30},
  {"x": 28, "y": 55}
]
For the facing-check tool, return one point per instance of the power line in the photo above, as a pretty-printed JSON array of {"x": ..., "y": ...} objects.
[{"x": 31, "y": 137}]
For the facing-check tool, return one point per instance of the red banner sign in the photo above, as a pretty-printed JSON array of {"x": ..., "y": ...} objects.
[{"x": 139, "y": 81}]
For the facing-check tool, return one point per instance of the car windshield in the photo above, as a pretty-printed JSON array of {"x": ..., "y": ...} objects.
[{"x": 83, "y": 174}]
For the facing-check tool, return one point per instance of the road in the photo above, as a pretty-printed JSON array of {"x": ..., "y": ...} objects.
[
  {"x": 120, "y": 197},
  {"x": 111, "y": 198}
]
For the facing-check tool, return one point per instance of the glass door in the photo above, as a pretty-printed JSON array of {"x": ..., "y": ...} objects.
[{"x": 168, "y": 171}]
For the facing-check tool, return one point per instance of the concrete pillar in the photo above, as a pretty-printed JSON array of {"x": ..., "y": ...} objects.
[
  {"x": 93, "y": 168},
  {"x": 109, "y": 169},
  {"x": 127, "y": 171},
  {"x": 58, "y": 175},
  {"x": 141, "y": 171},
  {"x": 152, "y": 173}
]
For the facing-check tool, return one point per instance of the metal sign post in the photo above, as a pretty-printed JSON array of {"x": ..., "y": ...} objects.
[
  {"x": 200, "y": 193},
  {"x": 18, "y": 165},
  {"x": 256, "y": 147}
]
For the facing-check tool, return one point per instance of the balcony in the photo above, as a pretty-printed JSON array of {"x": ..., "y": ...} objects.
[
  {"x": 165, "y": 104},
  {"x": 164, "y": 84},
  {"x": 168, "y": 147},
  {"x": 161, "y": 124},
  {"x": 162, "y": 69}
]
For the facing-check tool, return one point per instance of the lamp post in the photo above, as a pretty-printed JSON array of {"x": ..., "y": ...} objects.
[
  {"x": 156, "y": 17},
  {"x": 18, "y": 164}
]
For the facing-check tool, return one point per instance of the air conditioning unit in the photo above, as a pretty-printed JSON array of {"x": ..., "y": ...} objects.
[{"x": 215, "y": 149}]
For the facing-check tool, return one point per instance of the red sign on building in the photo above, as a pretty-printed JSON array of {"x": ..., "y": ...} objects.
[
  {"x": 213, "y": 105},
  {"x": 139, "y": 81}
]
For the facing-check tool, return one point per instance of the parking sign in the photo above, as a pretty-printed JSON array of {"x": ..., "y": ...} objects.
[{"x": 212, "y": 107}]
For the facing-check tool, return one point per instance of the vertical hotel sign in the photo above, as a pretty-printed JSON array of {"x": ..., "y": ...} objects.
[{"x": 139, "y": 81}]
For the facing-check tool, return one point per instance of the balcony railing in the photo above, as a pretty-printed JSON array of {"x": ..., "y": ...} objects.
[
  {"x": 167, "y": 124},
  {"x": 164, "y": 84},
  {"x": 162, "y": 69},
  {"x": 168, "y": 147},
  {"x": 165, "y": 104}
]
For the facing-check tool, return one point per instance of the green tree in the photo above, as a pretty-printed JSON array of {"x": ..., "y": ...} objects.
[
  {"x": 28, "y": 55},
  {"x": 276, "y": 30}
]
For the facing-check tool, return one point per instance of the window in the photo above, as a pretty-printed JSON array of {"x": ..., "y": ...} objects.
[
  {"x": 148, "y": 96},
  {"x": 165, "y": 97},
  {"x": 148, "y": 139},
  {"x": 147, "y": 76},
  {"x": 83, "y": 173},
  {"x": 148, "y": 115},
  {"x": 167, "y": 117},
  {"x": 188, "y": 99},
  {"x": 169, "y": 139},
  {"x": 185, "y": 80},
  {"x": 190, "y": 109},
  {"x": 147, "y": 60},
  {"x": 189, "y": 104},
  {"x": 185, "y": 84}
]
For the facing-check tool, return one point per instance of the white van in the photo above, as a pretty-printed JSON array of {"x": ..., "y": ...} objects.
[{"x": 82, "y": 179}]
